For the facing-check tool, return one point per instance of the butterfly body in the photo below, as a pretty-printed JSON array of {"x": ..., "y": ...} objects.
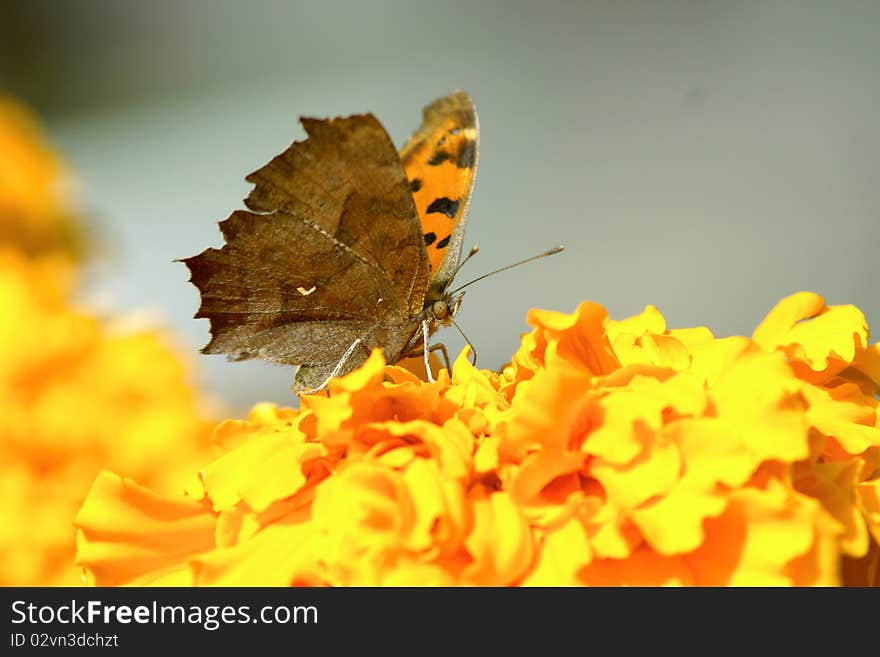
[{"x": 332, "y": 257}]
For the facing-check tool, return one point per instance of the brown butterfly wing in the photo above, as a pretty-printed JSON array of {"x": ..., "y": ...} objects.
[{"x": 331, "y": 252}]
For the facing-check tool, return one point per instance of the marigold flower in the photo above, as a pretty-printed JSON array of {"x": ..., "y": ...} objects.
[
  {"x": 607, "y": 452},
  {"x": 77, "y": 393}
]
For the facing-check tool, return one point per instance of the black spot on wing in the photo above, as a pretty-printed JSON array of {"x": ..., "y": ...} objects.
[
  {"x": 439, "y": 158},
  {"x": 466, "y": 155},
  {"x": 445, "y": 206},
  {"x": 415, "y": 185},
  {"x": 429, "y": 238},
  {"x": 444, "y": 242}
]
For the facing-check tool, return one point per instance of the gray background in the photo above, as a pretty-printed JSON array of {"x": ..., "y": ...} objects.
[{"x": 705, "y": 157}]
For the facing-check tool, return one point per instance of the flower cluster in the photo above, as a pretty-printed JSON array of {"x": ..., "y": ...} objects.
[
  {"x": 606, "y": 453},
  {"x": 77, "y": 393}
]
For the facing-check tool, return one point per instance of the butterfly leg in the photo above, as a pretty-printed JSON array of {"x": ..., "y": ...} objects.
[
  {"x": 442, "y": 348},
  {"x": 348, "y": 352},
  {"x": 427, "y": 350}
]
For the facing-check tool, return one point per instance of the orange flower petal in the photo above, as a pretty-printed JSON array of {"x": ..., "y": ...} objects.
[
  {"x": 546, "y": 410},
  {"x": 579, "y": 338}
]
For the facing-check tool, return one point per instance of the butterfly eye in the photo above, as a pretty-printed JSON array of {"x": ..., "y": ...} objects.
[{"x": 440, "y": 309}]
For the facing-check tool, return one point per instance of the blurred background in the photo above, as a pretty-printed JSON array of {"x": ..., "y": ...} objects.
[{"x": 708, "y": 158}]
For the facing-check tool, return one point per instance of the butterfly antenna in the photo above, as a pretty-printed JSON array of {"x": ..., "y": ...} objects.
[
  {"x": 466, "y": 339},
  {"x": 553, "y": 251},
  {"x": 470, "y": 255}
]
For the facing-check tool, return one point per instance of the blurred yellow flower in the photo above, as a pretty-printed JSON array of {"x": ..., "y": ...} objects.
[
  {"x": 35, "y": 190},
  {"x": 77, "y": 394},
  {"x": 606, "y": 453}
]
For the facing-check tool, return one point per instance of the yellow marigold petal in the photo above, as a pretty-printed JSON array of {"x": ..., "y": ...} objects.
[
  {"x": 808, "y": 331},
  {"x": 713, "y": 452},
  {"x": 529, "y": 357},
  {"x": 477, "y": 395},
  {"x": 692, "y": 337},
  {"x": 630, "y": 416},
  {"x": 562, "y": 554},
  {"x": 267, "y": 468},
  {"x": 674, "y": 524},
  {"x": 643, "y": 340},
  {"x": 643, "y": 568},
  {"x": 395, "y": 455},
  {"x": 452, "y": 445},
  {"x": 500, "y": 543},
  {"x": 486, "y": 456},
  {"x": 834, "y": 486},
  {"x": 845, "y": 413},
  {"x": 440, "y": 510},
  {"x": 465, "y": 374},
  {"x": 775, "y": 327},
  {"x": 760, "y": 539},
  {"x": 654, "y": 472},
  {"x": 362, "y": 516},
  {"x": 756, "y": 393},
  {"x": 657, "y": 350},
  {"x": 370, "y": 373},
  {"x": 712, "y": 360},
  {"x": 128, "y": 534},
  {"x": 650, "y": 320},
  {"x": 281, "y": 554},
  {"x": 612, "y": 533}
]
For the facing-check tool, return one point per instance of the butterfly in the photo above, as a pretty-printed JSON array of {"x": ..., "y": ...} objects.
[{"x": 346, "y": 245}]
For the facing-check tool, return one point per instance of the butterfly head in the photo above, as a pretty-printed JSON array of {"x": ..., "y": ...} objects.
[{"x": 445, "y": 308}]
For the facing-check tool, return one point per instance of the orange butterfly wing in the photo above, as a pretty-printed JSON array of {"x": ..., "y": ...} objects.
[{"x": 440, "y": 160}]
